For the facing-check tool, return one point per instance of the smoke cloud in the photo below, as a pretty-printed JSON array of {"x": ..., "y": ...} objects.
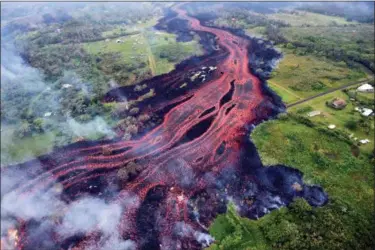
[
  {"x": 96, "y": 126},
  {"x": 184, "y": 230},
  {"x": 89, "y": 214}
]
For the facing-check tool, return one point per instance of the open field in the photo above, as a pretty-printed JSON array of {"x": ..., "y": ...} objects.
[
  {"x": 298, "y": 77},
  {"x": 288, "y": 95},
  {"x": 256, "y": 31},
  {"x": 353, "y": 42},
  {"x": 145, "y": 48},
  {"x": 339, "y": 117},
  {"x": 302, "y": 18},
  {"x": 325, "y": 159},
  {"x": 15, "y": 149},
  {"x": 119, "y": 29},
  {"x": 350, "y": 34}
]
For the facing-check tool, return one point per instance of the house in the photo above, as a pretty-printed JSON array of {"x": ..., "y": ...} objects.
[
  {"x": 331, "y": 126},
  {"x": 364, "y": 141},
  {"x": 366, "y": 111},
  {"x": 367, "y": 88},
  {"x": 119, "y": 41},
  {"x": 338, "y": 103}
]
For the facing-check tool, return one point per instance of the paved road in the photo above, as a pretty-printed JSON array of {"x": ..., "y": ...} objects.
[{"x": 327, "y": 92}]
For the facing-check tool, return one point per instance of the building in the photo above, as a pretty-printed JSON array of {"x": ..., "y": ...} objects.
[
  {"x": 366, "y": 111},
  {"x": 338, "y": 103},
  {"x": 367, "y": 88},
  {"x": 364, "y": 141}
]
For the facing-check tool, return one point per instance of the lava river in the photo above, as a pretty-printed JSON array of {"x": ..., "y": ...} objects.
[{"x": 184, "y": 171}]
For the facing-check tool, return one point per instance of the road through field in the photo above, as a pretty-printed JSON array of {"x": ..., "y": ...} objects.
[{"x": 327, "y": 92}]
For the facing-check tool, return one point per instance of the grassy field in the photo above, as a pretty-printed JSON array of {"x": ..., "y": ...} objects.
[
  {"x": 337, "y": 34},
  {"x": 298, "y": 77},
  {"x": 325, "y": 159},
  {"x": 288, "y": 95},
  {"x": 302, "y": 18},
  {"x": 15, "y": 149},
  {"x": 119, "y": 29},
  {"x": 338, "y": 117},
  {"x": 145, "y": 47},
  {"x": 256, "y": 31}
]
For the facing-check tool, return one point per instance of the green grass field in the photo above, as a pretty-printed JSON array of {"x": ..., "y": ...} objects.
[
  {"x": 298, "y": 77},
  {"x": 302, "y": 18},
  {"x": 287, "y": 95},
  {"x": 145, "y": 47},
  {"x": 339, "y": 35},
  {"x": 339, "y": 117},
  {"x": 256, "y": 31},
  {"x": 119, "y": 29},
  {"x": 325, "y": 159},
  {"x": 15, "y": 149}
]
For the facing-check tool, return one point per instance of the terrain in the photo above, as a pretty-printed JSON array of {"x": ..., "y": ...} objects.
[
  {"x": 180, "y": 140},
  {"x": 200, "y": 152}
]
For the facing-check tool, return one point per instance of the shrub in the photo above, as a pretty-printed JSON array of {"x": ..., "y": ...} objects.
[{"x": 352, "y": 125}]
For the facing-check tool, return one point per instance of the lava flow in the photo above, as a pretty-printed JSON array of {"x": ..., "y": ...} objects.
[{"x": 171, "y": 182}]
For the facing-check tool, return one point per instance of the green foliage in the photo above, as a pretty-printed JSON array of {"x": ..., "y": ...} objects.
[
  {"x": 304, "y": 110},
  {"x": 325, "y": 158},
  {"x": 343, "y": 48},
  {"x": 233, "y": 232},
  {"x": 352, "y": 125},
  {"x": 173, "y": 52}
]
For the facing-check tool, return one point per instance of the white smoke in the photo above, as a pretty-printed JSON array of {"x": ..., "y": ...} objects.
[
  {"x": 30, "y": 206},
  {"x": 16, "y": 72},
  {"x": 204, "y": 239},
  {"x": 97, "y": 126},
  {"x": 83, "y": 216},
  {"x": 88, "y": 214},
  {"x": 113, "y": 242},
  {"x": 183, "y": 230}
]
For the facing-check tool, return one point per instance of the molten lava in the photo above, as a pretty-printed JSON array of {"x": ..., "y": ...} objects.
[
  {"x": 10, "y": 241},
  {"x": 184, "y": 171}
]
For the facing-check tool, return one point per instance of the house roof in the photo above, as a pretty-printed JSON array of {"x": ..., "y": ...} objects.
[
  {"x": 366, "y": 111},
  {"x": 339, "y": 102},
  {"x": 365, "y": 87}
]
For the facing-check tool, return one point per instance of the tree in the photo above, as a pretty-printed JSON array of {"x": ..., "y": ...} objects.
[{"x": 352, "y": 125}]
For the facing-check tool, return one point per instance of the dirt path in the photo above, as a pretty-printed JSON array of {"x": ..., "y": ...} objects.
[
  {"x": 151, "y": 58},
  {"x": 287, "y": 90}
]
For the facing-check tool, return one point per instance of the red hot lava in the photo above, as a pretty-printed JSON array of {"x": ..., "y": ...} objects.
[{"x": 181, "y": 162}]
